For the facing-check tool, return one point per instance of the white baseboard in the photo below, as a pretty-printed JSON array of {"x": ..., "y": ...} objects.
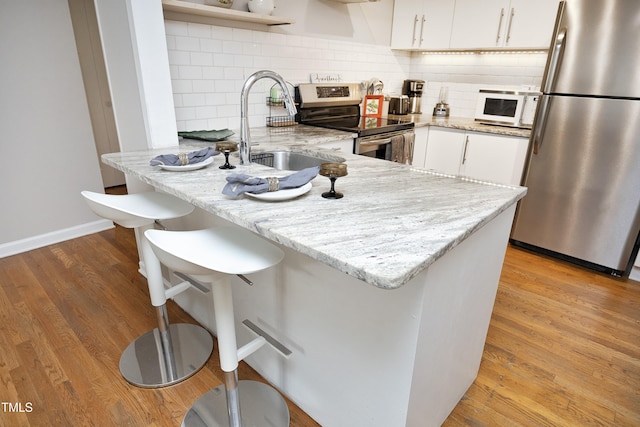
[
  {"x": 35, "y": 242},
  {"x": 635, "y": 273}
]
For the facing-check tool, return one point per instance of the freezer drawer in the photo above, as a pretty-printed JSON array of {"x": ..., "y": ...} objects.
[{"x": 583, "y": 182}]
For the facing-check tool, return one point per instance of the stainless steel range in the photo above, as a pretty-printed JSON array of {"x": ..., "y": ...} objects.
[{"x": 337, "y": 106}]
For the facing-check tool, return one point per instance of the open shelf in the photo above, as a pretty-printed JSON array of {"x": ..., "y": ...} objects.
[{"x": 196, "y": 9}]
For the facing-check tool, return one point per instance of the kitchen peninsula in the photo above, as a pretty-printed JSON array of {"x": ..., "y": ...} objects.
[{"x": 384, "y": 296}]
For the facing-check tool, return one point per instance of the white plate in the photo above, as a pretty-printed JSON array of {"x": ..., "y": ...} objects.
[
  {"x": 191, "y": 167},
  {"x": 280, "y": 195}
]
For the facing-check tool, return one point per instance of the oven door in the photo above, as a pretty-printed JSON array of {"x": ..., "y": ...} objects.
[{"x": 378, "y": 146}]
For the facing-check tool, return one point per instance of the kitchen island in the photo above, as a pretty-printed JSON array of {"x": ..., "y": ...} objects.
[{"x": 384, "y": 296}]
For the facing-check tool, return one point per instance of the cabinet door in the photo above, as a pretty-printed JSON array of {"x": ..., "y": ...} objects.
[
  {"x": 407, "y": 15},
  {"x": 530, "y": 23},
  {"x": 444, "y": 150},
  {"x": 479, "y": 24},
  {"x": 420, "y": 147},
  {"x": 422, "y": 24},
  {"x": 435, "y": 27},
  {"x": 495, "y": 158}
]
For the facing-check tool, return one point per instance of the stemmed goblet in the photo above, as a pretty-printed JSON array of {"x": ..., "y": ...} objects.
[
  {"x": 333, "y": 171},
  {"x": 226, "y": 147}
]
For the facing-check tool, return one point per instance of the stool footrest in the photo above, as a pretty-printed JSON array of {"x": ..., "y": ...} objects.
[
  {"x": 249, "y": 348},
  {"x": 196, "y": 284},
  {"x": 269, "y": 339},
  {"x": 174, "y": 290}
]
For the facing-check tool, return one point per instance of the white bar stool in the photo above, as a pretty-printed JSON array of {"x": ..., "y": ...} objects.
[
  {"x": 212, "y": 256},
  {"x": 167, "y": 354}
]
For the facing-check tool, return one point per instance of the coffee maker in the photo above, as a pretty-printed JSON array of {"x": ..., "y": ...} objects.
[{"x": 413, "y": 89}]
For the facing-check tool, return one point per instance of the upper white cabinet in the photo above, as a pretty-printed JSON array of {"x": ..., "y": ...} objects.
[
  {"x": 473, "y": 24},
  {"x": 422, "y": 24},
  {"x": 516, "y": 24}
]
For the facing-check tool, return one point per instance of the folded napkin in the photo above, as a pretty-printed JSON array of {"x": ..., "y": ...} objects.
[
  {"x": 239, "y": 183},
  {"x": 182, "y": 159}
]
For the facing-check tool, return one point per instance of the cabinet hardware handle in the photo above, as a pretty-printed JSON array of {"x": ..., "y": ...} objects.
[
  {"x": 499, "y": 25},
  {"x": 422, "y": 29},
  {"x": 540, "y": 122},
  {"x": 513, "y": 12},
  {"x": 464, "y": 154},
  {"x": 555, "y": 53},
  {"x": 415, "y": 24}
]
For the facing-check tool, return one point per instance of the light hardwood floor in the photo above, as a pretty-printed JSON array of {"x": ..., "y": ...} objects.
[{"x": 563, "y": 347}]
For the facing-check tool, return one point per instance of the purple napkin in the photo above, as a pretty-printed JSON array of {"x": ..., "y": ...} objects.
[
  {"x": 239, "y": 183},
  {"x": 183, "y": 159}
]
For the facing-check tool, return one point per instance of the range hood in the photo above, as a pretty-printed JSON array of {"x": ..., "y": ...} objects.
[{"x": 354, "y": 1}]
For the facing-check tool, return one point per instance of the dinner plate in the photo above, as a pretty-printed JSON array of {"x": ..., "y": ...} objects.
[
  {"x": 280, "y": 195},
  {"x": 190, "y": 167}
]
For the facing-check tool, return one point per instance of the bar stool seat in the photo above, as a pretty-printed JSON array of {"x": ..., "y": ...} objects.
[
  {"x": 169, "y": 353},
  {"x": 213, "y": 255}
]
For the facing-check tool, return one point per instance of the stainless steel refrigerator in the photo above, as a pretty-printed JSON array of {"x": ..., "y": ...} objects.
[{"x": 583, "y": 170}]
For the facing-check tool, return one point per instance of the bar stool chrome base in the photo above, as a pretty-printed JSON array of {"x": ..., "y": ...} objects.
[
  {"x": 144, "y": 364},
  {"x": 260, "y": 405}
]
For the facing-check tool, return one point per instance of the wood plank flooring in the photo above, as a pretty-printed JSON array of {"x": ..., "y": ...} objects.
[{"x": 563, "y": 347}]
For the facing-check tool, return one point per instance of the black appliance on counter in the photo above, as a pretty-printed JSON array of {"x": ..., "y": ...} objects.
[{"x": 337, "y": 106}]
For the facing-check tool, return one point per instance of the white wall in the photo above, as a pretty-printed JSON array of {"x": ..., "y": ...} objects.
[{"x": 47, "y": 147}]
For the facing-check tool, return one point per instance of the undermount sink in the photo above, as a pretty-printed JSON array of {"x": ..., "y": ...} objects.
[{"x": 288, "y": 160}]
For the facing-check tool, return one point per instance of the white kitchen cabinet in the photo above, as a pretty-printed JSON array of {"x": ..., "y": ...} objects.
[
  {"x": 482, "y": 156},
  {"x": 517, "y": 24},
  {"x": 495, "y": 158},
  {"x": 420, "y": 147},
  {"x": 422, "y": 24},
  {"x": 444, "y": 150}
]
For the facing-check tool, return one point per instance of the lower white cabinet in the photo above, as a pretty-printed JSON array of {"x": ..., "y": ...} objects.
[
  {"x": 444, "y": 150},
  {"x": 420, "y": 147},
  {"x": 482, "y": 156}
]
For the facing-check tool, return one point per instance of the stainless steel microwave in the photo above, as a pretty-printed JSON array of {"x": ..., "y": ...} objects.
[{"x": 507, "y": 107}]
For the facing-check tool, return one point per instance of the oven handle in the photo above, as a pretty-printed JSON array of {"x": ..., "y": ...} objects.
[{"x": 375, "y": 142}]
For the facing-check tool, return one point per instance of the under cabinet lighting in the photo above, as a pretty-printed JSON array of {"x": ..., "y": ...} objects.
[{"x": 483, "y": 52}]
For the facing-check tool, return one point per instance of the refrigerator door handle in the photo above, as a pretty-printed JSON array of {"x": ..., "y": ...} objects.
[
  {"x": 540, "y": 123},
  {"x": 556, "y": 51},
  {"x": 555, "y": 58}
]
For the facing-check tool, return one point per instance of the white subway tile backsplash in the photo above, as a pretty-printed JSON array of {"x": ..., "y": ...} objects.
[
  {"x": 201, "y": 58},
  {"x": 187, "y": 44},
  {"x": 209, "y": 65}
]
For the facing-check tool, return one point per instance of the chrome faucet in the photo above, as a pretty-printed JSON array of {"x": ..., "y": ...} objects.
[{"x": 245, "y": 137}]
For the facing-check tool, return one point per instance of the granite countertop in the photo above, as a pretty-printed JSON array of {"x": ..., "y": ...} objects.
[
  {"x": 394, "y": 220},
  {"x": 463, "y": 123}
]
